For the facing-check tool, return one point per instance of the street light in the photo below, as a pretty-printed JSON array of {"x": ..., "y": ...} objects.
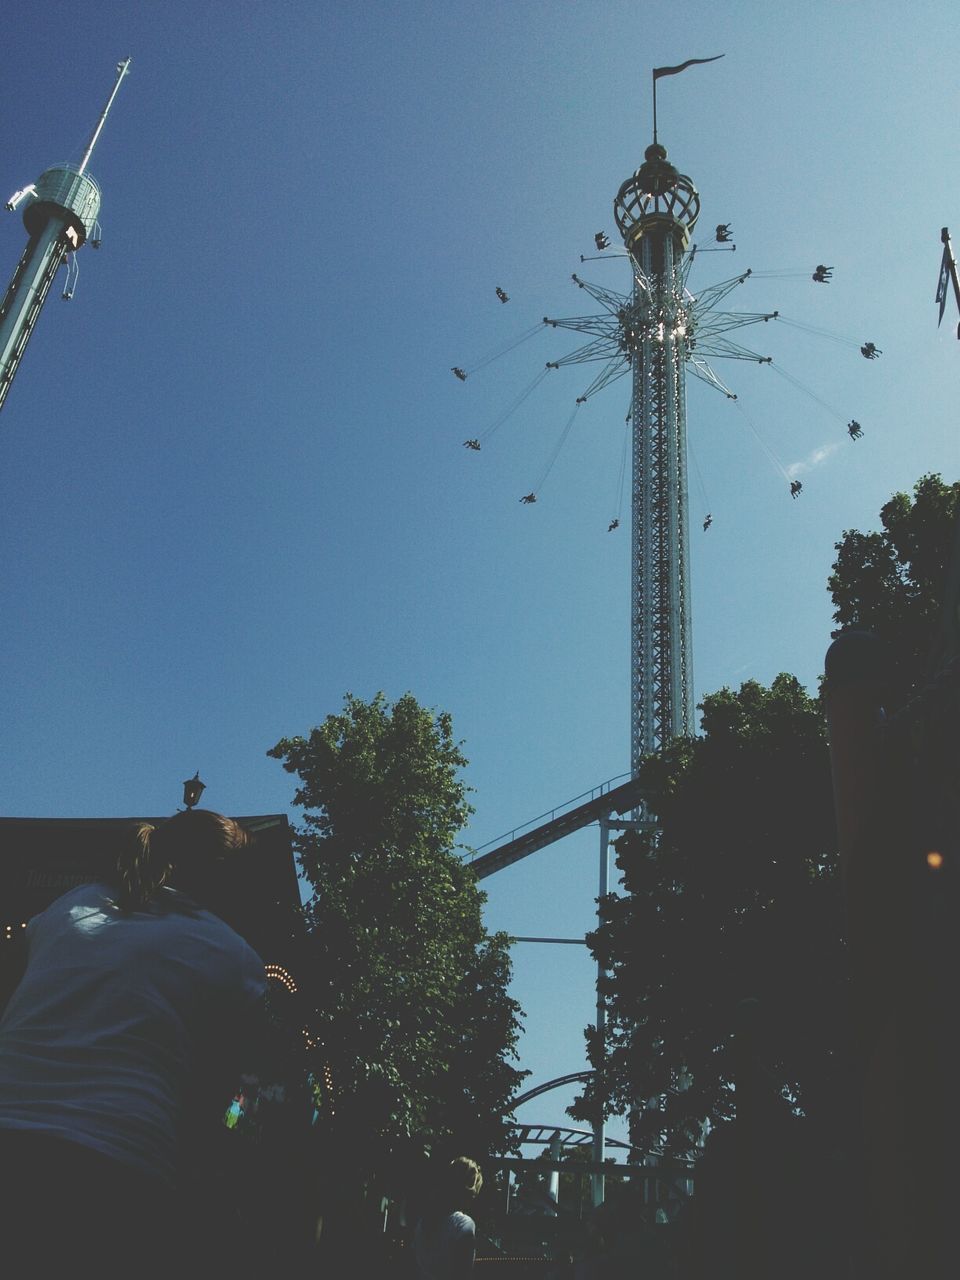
[{"x": 192, "y": 790}]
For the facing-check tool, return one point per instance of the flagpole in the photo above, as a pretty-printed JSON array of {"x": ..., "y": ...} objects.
[
  {"x": 947, "y": 253},
  {"x": 674, "y": 71}
]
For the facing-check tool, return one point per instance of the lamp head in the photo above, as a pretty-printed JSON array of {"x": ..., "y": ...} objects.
[{"x": 193, "y": 788}]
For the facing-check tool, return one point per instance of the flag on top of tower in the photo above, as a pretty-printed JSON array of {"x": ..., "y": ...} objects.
[
  {"x": 948, "y": 275},
  {"x": 942, "y": 285},
  {"x": 673, "y": 71}
]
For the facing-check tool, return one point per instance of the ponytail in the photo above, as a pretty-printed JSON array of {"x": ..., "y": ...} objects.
[{"x": 140, "y": 871}]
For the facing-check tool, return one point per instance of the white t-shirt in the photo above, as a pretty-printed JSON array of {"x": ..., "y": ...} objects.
[
  {"x": 444, "y": 1247},
  {"x": 115, "y": 1014}
]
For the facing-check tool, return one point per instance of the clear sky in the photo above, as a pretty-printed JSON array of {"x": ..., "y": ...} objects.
[{"x": 232, "y": 481}]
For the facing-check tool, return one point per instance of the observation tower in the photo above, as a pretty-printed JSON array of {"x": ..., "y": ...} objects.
[
  {"x": 60, "y": 214},
  {"x": 656, "y": 210}
]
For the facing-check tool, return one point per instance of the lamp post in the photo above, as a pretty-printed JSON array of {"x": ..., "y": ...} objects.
[{"x": 193, "y": 788}]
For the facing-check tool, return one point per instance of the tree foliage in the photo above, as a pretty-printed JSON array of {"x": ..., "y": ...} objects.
[
  {"x": 409, "y": 992},
  {"x": 732, "y": 898},
  {"x": 736, "y": 897},
  {"x": 891, "y": 581}
]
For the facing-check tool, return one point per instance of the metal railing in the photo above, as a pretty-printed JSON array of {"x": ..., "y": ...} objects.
[{"x": 558, "y": 811}]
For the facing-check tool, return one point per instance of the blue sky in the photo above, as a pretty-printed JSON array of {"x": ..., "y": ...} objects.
[{"x": 232, "y": 483}]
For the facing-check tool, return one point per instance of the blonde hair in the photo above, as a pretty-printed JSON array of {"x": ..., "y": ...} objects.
[
  {"x": 465, "y": 1176},
  {"x": 450, "y": 1187},
  {"x": 193, "y": 842}
]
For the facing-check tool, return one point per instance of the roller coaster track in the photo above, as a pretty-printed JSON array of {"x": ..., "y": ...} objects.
[
  {"x": 575, "y": 1077},
  {"x": 602, "y": 801}
]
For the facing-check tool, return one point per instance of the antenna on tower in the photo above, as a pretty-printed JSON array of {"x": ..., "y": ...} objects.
[
  {"x": 59, "y": 212},
  {"x": 123, "y": 68}
]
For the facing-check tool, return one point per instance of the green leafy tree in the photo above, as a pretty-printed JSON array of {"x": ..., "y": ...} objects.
[
  {"x": 410, "y": 1008},
  {"x": 891, "y": 581},
  {"x": 736, "y": 897},
  {"x": 732, "y": 898}
]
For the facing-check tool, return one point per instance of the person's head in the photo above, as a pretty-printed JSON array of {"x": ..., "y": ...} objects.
[
  {"x": 450, "y": 1186},
  {"x": 185, "y": 852},
  {"x": 464, "y": 1180}
]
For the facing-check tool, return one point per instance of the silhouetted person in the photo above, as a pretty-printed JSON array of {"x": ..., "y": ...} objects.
[
  {"x": 123, "y": 1037},
  {"x": 501, "y": 295},
  {"x": 458, "y": 372},
  {"x": 707, "y": 522},
  {"x": 854, "y": 429},
  {"x": 795, "y": 488},
  {"x": 471, "y": 444},
  {"x": 529, "y": 497},
  {"x": 822, "y": 273},
  {"x": 614, "y": 524},
  {"x": 870, "y": 351},
  {"x": 723, "y": 232},
  {"x": 444, "y": 1242}
]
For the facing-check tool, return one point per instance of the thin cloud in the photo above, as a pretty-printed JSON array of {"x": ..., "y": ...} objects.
[{"x": 815, "y": 459}]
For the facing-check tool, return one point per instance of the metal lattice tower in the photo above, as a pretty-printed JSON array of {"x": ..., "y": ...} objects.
[
  {"x": 655, "y": 211},
  {"x": 60, "y": 214},
  {"x": 657, "y": 333}
]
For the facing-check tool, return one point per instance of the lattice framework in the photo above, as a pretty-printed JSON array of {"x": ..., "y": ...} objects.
[{"x": 655, "y": 334}]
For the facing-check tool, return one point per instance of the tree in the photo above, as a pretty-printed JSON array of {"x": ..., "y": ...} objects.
[
  {"x": 410, "y": 1010},
  {"x": 891, "y": 582},
  {"x": 727, "y": 955},
  {"x": 734, "y": 897},
  {"x": 899, "y": 823}
]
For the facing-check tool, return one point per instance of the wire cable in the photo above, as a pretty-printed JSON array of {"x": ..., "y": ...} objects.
[
  {"x": 696, "y": 471},
  {"x": 556, "y": 453},
  {"x": 834, "y": 413},
  {"x": 790, "y": 273},
  {"x": 505, "y": 348},
  {"x": 762, "y": 443},
  {"x": 819, "y": 333},
  {"x": 623, "y": 466},
  {"x": 514, "y": 406}
]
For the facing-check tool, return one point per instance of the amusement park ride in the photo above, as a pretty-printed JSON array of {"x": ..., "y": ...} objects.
[
  {"x": 656, "y": 333},
  {"x": 60, "y": 214}
]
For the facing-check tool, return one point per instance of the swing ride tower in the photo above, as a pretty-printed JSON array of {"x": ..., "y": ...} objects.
[
  {"x": 656, "y": 210},
  {"x": 60, "y": 214},
  {"x": 658, "y": 333}
]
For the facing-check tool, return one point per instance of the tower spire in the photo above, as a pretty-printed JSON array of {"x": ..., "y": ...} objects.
[{"x": 123, "y": 68}]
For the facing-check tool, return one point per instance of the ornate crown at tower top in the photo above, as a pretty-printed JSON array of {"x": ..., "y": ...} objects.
[{"x": 656, "y": 190}]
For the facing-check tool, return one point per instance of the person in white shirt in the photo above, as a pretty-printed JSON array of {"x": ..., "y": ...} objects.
[
  {"x": 119, "y": 1038},
  {"x": 444, "y": 1241}
]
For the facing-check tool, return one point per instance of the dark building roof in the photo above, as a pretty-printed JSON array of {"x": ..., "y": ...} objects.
[{"x": 41, "y": 858}]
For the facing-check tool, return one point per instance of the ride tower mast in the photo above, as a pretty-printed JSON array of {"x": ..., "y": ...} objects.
[
  {"x": 60, "y": 214},
  {"x": 655, "y": 211}
]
